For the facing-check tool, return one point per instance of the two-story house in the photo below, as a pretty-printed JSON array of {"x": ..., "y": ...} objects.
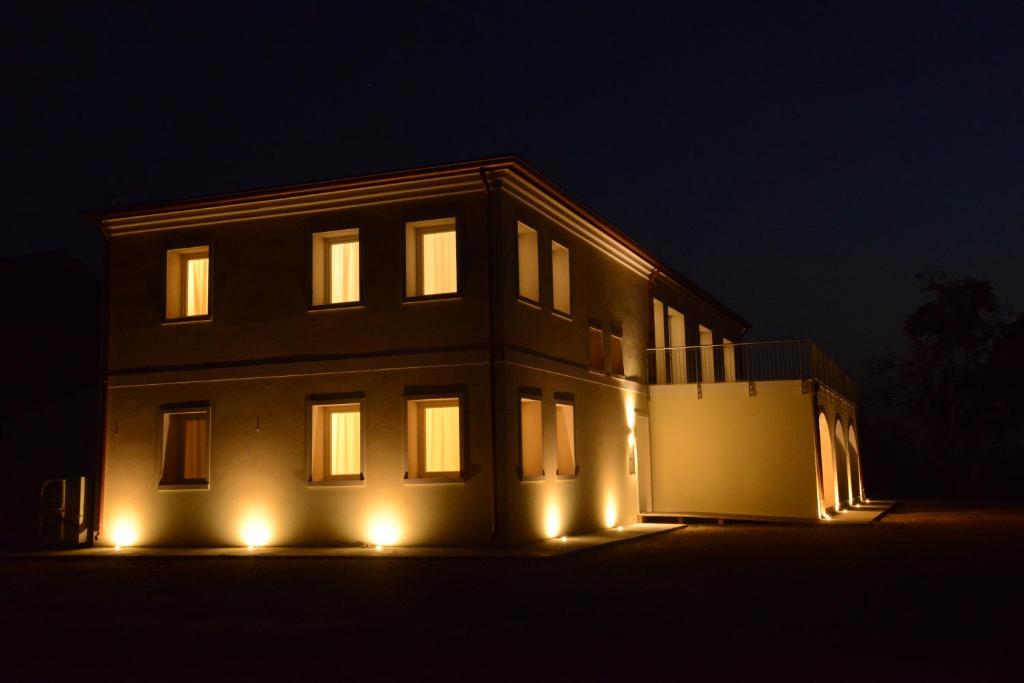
[{"x": 459, "y": 354}]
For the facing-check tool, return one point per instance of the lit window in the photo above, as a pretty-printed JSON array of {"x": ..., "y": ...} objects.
[
  {"x": 188, "y": 282},
  {"x": 729, "y": 359},
  {"x": 529, "y": 279},
  {"x": 336, "y": 267},
  {"x": 596, "y": 346},
  {"x": 560, "y": 288},
  {"x": 615, "y": 355},
  {"x": 565, "y": 439},
  {"x": 531, "y": 438},
  {"x": 435, "y": 439},
  {"x": 707, "y": 355},
  {"x": 186, "y": 448},
  {"x": 337, "y": 443},
  {"x": 431, "y": 258}
]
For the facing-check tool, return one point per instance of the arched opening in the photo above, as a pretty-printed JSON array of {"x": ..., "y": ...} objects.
[
  {"x": 854, "y": 455},
  {"x": 842, "y": 465},
  {"x": 828, "y": 464}
]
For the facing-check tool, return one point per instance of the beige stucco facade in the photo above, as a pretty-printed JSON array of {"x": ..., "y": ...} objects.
[{"x": 268, "y": 353}]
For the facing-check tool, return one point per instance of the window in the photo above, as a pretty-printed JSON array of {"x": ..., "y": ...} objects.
[
  {"x": 186, "y": 446},
  {"x": 531, "y": 441},
  {"x": 729, "y": 359},
  {"x": 565, "y": 438},
  {"x": 560, "y": 289},
  {"x": 434, "y": 445},
  {"x": 529, "y": 278},
  {"x": 188, "y": 283},
  {"x": 431, "y": 258},
  {"x": 596, "y": 345},
  {"x": 677, "y": 340},
  {"x": 707, "y": 355},
  {"x": 337, "y": 443},
  {"x": 336, "y": 267},
  {"x": 615, "y": 355}
]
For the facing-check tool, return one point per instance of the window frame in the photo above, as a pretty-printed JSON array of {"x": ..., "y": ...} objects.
[
  {"x": 185, "y": 254},
  {"x": 166, "y": 412},
  {"x": 592, "y": 327},
  {"x": 320, "y": 402},
  {"x": 418, "y": 399},
  {"x": 564, "y": 399},
  {"x": 530, "y": 394},
  {"x": 567, "y": 315},
  {"x": 327, "y": 238},
  {"x": 419, "y": 228},
  {"x": 520, "y": 225}
]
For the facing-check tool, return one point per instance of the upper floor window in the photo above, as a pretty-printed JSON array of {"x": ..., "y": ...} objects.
[
  {"x": 336, "y": 267},
  {"x": 595, "y": 342},
  {"x": 186, "y": 447},
  {"x": 529, "y": 277},
  {"x": 707, "y": 355},
  {"x": 615, "y": 354},
  {"x": 337, "y": 443},
  {"x": 188, "y": 282},
  {"x": 565, "y": 437},
  {"x": 431, "y": 258},
  {"x": 434, "y": 431},
  {"x": 729, "y": 360},
  {"x": 560, "y": 281}
]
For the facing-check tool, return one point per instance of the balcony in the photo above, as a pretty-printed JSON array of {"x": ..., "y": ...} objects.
[{"x": 748, "y": 362}]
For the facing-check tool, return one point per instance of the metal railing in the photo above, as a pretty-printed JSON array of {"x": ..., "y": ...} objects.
[{"x": 747, "y": 362}]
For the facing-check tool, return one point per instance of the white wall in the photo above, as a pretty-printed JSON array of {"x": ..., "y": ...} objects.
[{"x": 730, "y": 453}]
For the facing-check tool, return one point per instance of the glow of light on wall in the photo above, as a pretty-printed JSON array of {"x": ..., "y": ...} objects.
[
  {"x": 255, "y": 532},
  {"x": 552, "y": 520},
  {"x": 611, "y": 512},
  {"x": 382, "y": 531},
  {"x": 630, "y": 414},
  {"x": 124, "y": 533}
]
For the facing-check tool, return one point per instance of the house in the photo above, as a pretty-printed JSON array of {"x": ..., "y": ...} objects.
[{"x": 453, "y": 355}]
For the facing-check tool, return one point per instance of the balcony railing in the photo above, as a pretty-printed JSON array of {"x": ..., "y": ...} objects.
[{"x": 747, "y": 362}]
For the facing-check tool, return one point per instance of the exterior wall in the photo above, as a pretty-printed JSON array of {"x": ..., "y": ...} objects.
[
  {"x": 261, "y": 476},
  {"x": 730, "y": 453}
]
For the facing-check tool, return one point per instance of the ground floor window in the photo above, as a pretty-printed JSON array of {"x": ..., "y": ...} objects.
[
  {"x": 531, "y": 441},
  {"x": 337, "y": 442},
  {"x": 565, "y": 437},
  {"x": 434, "y": 437},
  {"x": 186, "y": 447}
]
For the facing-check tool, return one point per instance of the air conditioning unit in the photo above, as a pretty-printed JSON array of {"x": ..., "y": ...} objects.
[{"x": 64, "y": 512}]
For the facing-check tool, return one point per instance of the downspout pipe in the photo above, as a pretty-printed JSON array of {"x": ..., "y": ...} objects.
[{"x": 492, "y": 349}]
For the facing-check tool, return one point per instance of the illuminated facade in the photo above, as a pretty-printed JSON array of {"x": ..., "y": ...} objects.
[{"x": 455, "y": 355}]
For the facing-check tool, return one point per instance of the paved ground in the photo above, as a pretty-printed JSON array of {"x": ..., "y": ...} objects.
[{"x": 929, "y": 592}]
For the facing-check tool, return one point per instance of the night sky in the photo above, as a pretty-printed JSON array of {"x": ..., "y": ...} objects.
[{"x": 800, "y": 162}]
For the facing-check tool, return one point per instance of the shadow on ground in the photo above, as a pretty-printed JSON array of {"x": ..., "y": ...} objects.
[{"x": 931, "y": 591}]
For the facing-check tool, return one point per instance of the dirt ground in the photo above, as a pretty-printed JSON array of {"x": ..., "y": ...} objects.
[{"x": 932, "y": 591}]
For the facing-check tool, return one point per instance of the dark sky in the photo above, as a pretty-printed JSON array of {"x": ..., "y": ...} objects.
[{"x": 801, "y": 162}]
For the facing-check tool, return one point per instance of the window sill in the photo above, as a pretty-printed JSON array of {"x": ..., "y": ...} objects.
[
  {"x": 539, "y": 477},
  {"x": 187, "y": 319},
  {"x": 184, "y": 487},
  {"x": 562, "y": 315},
  {"x": 529, "y": 302},
  {"x": 447, "y": 296},
  {"x": 569, "y": 477},
  {"x": 345, "y": 306},
  {"x": 331, "y": 483},
  {"x": 454, "y": 479}
]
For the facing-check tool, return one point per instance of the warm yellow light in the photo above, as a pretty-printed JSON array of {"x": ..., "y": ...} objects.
[
  {"x": 378, "y": 548},
  {"x": 630, "y": 413},
  {"x": 564, "y": 539},
  {"x": 619, "y": 528},
  {"x": 552, "y": 521},
  {"x": 383, "y": 530},
  {"x": 255, "y": 532},
  {"x": 611, "y": 512},
  {"x": 124, "y": 533}
]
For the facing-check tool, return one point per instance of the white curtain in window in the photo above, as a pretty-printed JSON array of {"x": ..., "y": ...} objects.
[
  {"x": 344, "y": 272},
  {"x": 441, "y": 438},
  {"x": 438, "y": 262},
  {"x": 197, "y": 286},
  {"x": 565, "y": 438},
  {"x": 345, "y": 442}
]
